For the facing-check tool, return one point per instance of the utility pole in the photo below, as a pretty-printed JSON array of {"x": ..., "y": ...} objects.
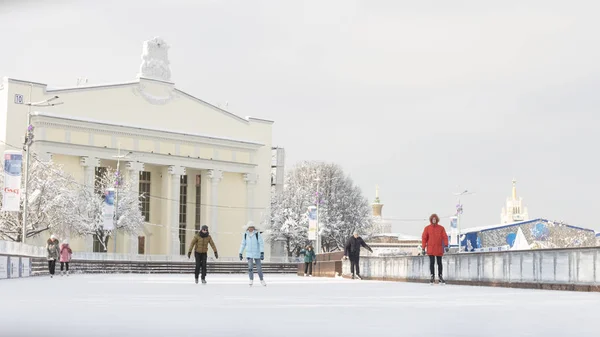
[
  {"x": 459, "y": 211},
  {"x": 26, "y": 147},
  {"x": 318, "y": 248}
]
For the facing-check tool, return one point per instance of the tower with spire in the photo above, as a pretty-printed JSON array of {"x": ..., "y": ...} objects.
[
  {"x": 514, "y": 210},
  {"x": 383, "y": 226},
  {"x": 377, "y": 205}
]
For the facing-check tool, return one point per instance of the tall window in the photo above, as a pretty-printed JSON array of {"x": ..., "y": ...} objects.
[
  {"x": 182, "y": 213},
  {"x": 145, "y": 194},
  {"x": 97, "y": 246},
  {"x": 198, "y": 202},
  {"x": 141, "y": 245}
]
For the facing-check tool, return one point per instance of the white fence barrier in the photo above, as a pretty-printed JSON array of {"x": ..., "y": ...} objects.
[
  {"x": 577, "y": 266},
  {"x": 167, "y": 258},
  {"x": 17, "y": 248}
]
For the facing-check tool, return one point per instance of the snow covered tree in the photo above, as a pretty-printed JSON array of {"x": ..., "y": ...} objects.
[
  {"x": 52, "y": 194},
  {"x": 88, "y": 212},
  {"x": 342, "y": 207}
]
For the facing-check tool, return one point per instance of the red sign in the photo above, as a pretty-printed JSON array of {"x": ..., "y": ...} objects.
[{"x": 11, "y": 190}]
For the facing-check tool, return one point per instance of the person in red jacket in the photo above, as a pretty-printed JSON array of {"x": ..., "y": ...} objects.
[{"x": 435, "y": 242}]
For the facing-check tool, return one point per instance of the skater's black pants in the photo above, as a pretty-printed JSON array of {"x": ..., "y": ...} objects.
[
  {"x": 62, "y": 265},
  {"x": 51, "y": 266},
  {"x": 354, "y": 263},
  {"x": 432, "y": 260},
  {"x": 308, "y": 268},
  {"x": 200, "y": 262}
]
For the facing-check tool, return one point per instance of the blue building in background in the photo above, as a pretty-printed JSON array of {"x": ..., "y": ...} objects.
[{"x": 539, "y": 234}]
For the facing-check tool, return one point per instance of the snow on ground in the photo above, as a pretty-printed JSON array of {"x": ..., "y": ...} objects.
[{"x": 172, "y": 305}]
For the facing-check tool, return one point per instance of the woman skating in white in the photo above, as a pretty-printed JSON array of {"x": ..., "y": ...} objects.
[{"x": 253, "y": 243}]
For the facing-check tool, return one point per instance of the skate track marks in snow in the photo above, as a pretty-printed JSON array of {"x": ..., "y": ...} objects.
[{"x": 172, "y": 305}]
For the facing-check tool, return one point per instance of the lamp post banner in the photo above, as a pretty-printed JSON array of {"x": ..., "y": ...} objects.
[
  {"x": 312, "y": 223},
  {"x": 108, "y": 210},
  {"x": 11, "y": 193}
]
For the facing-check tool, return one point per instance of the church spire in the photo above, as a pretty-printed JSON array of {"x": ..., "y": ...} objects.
[
  {"x": 514, "y": 189},
  {"x": 377, "y": 201}
]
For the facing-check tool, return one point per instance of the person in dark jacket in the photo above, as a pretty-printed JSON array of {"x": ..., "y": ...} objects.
[
  {"x": 201, "y": 242},
  {"x": 352, "y": 251},
  {"x": 309, "y": 258},
  {"x": 435, "y": 242}
]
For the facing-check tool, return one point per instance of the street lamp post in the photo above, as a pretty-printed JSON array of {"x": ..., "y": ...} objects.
[
  {"x": 118, "y": 184},
  {"x": 28, "y": 142},
  {"x": 318, "y": 241},
  {"x": 459, "y": 211}
]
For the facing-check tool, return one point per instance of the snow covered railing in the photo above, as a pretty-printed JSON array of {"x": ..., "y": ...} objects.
[
  {"x": 165, "y": 258},
  {"x": 19, "y": 249},
  {"x": 561, "y": 269}
]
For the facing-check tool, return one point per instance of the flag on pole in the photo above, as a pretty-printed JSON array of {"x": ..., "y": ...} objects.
[
  {"x": 108, "y": 209},
  {"x": 11, "y": 193}
]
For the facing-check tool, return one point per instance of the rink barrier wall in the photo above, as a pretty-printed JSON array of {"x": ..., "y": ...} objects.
[
  {"x": 328, "y": 265},
  {"x": 40, "y": 267},
  {"x": 575, "y": 269},
  {"x": 13, "y": 266}
]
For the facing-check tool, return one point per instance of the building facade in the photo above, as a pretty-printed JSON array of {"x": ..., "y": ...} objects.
[
  {"x": 196, "y": 164},
  {"x": 538, "y": 234}
]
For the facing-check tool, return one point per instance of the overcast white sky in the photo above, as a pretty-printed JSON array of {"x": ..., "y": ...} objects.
[{"x": 416, "y": 96}]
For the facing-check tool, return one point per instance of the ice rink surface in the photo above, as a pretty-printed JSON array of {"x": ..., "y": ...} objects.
[{"x": 172, "y": 305}]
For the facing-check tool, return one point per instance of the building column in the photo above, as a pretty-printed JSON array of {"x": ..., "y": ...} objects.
[
  {"x": 133, "y": 170},
  {"x": 175, "y": 173},
  {"x": 215, "y": 177},
  {"x": 251, "y": 179},
  {"x": 89, "y": 165}
]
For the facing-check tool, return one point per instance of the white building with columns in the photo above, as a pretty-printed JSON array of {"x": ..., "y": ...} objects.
[{"x": 197, "y": 164}]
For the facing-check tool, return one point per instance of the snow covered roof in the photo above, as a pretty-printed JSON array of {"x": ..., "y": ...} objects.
[
  {"x": 486, "y": 228},
  {"x": 400, "y": 236}
]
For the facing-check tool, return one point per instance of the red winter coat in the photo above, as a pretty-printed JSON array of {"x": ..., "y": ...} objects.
[{"x": 435, "y": 239}]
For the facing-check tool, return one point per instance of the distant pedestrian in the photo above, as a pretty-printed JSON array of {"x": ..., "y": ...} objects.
[
  {"x": 53, "y": 249},
  {"x": 253, "y": 243},
  {"x": 201, "y": 242},
  {"x": 352, "y": 251},
  {"x": 309, "y": 258},
  {"x": 65, "y": 257},
  {"x": 435, "y": 242}
]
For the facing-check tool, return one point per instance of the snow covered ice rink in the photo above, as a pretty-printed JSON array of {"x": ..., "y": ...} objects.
[{"x": 172, "y": 305}]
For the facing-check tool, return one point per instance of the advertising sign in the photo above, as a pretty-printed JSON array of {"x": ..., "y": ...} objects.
[
  {"x": 453, "y": 222},
  {"x": 108, "y": 210},
  {"x": 312, "y": 223},
  {"x": 3, "y": 267},
  {"x": 14, "y": 266},
  {"x": 25, "y": 267},
  {"x": 11, "y": 192}
]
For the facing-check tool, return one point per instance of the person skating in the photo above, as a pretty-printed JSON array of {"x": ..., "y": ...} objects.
[
  {"x": 65, "y": 257},
  {"x": 52, "y": 247},
  {"x": 309, "y": 258},
  {"x": 201, "y": 242},
  {"x": 253, "y": 243},
  {"x": 352, "y": 251},
  {"x": 435, "y": 242}
]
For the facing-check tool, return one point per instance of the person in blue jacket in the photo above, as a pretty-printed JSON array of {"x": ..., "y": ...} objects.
[{"x": 253, "y": 243}]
